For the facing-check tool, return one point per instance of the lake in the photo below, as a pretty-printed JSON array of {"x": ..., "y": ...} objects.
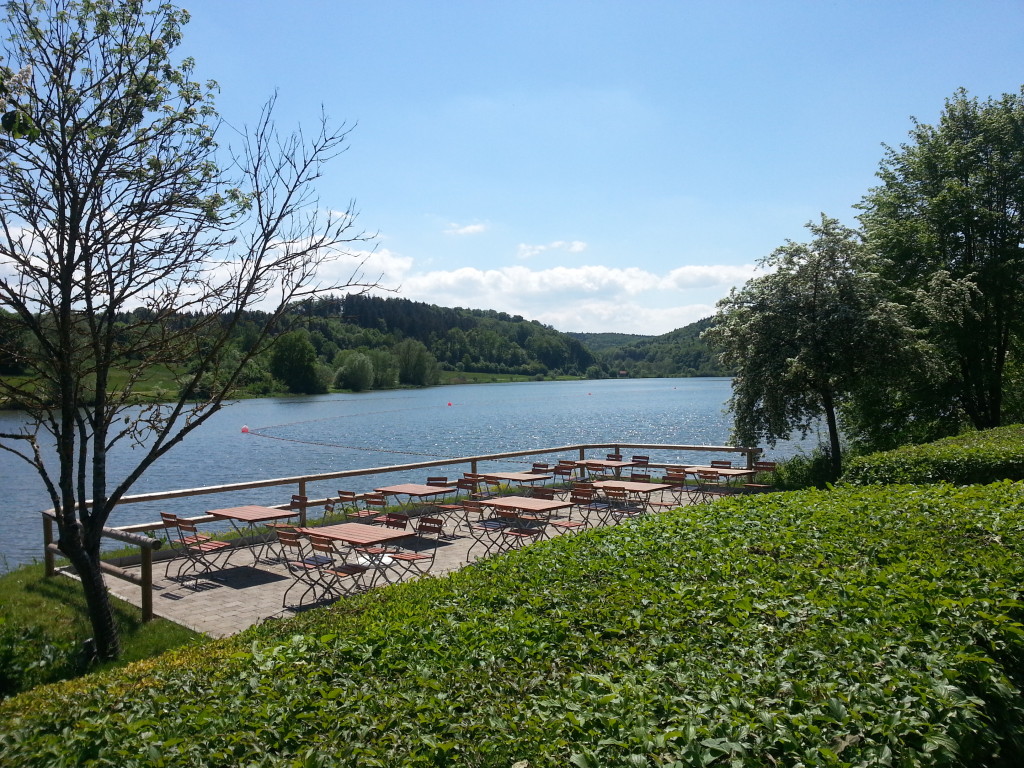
[{"x": 330, "y": 433}]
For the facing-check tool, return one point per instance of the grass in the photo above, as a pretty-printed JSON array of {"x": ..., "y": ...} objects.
[{"x": 43, "y": 623}]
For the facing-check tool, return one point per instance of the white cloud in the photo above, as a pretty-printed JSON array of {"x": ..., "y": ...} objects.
[
  {"x": 586, "y": 298},
  {"x": 526, "y": 251},
  {"x": 468, "y": 229}
]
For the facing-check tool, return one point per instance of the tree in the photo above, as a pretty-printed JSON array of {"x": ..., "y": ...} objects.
[
  {"x": 127, "y": 241},
  {"x": 357, "y": 373},
  {"x": 949, "y": 219},
  {"x": 293, "y": 361},
  {"x": 416, "y": 365},
  {"x": 803, "y": 337}
]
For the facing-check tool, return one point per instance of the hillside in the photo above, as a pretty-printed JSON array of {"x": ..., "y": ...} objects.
[{"x": 678, "y": 353}]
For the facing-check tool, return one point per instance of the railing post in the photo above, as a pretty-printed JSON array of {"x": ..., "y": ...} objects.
[
  {"x": 48, "y": 559},
  {"x": 147, "y": 583}
]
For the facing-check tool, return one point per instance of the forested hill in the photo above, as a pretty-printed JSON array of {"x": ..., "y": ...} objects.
[
  {"x": 472, "y": 340},
  {"x": 678, "y": 353}
]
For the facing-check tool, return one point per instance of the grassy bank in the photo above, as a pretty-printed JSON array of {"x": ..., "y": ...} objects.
[{"x": 43, "y": 621}]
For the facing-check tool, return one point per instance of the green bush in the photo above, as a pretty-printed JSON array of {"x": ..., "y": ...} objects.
[
  {"x": 971, "y": 458},
  {"x": 857, "y": 627},
  {"x": 810, "y": 470}
]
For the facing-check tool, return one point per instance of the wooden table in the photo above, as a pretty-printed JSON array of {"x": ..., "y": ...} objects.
[
  {"x": 635, "y": 488},
  {"x": 360, "y": 534},
  {"x": 526, "y": 504},
  {"x": 416, "y": 490},
  {"x": 516, "y": 477},
  {"x": 252, "y": 515},
  {"x": 598, "y": 464}
]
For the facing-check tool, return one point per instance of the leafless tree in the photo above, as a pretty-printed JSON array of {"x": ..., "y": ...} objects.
[{"x": 131, "y": 240}]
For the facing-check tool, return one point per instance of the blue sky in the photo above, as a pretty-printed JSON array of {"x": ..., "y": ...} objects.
[{"x": 599, "y": 166}]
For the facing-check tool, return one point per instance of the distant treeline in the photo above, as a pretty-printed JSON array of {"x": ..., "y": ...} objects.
[{"x": 361, "y": 342}]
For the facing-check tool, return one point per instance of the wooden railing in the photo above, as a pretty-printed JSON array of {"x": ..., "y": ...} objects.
[{"x": 131, "y": 534}]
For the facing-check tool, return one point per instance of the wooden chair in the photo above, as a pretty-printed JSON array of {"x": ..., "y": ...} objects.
[
  {"x": 202, "y": 554},
  {"x": 337, "y": 578},
  {"x": 299, "y": 502},
  {"x": 765, "y": 467},
  {"x": 641, "y": 465},
  {"x": 430, "y": 526},
  {"x": 621, "y": 506},
  {"x": 722, "y": 463}
]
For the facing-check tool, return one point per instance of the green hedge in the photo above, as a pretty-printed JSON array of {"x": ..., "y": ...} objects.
[
  {"x": 863, "y": 626},
  {"x": 971, "y": 458}
]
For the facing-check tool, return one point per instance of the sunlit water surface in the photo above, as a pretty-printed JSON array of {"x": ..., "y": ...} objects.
[{"x": 330, "y": 433}]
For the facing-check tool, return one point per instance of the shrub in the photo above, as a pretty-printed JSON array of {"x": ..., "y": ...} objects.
[
  {"x": 973, "y": 457},
  {"x": 863, "y": 626}
]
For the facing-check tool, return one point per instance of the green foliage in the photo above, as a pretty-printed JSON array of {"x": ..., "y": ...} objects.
[
  {"x": 755, "y": 631},
  {"x": 973, "y": 457},
  {"x": 947, "y": 220},
  {"x": 357, "y": 373},
  {"x": 42, "y": 623},
  {"x": 293, "y": 361},
  {"x": 807, "y": 470},
  {"x": 681, "y": 352},
  {"x": 806, "y": 335}
]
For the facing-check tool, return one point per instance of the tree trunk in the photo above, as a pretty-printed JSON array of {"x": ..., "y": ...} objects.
[
  {"x": 97, "y": 599},
  {"x": 835, "y": 451}
]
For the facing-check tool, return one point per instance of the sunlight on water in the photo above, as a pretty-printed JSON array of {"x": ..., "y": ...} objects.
[{"x": 329, "y": 433}]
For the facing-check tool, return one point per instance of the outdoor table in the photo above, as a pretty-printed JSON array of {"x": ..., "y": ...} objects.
[
  {"x": 615, "y": 465},
  {"x": 252, "y": 515},
  {"x": 728, "y": 473},
  {"x": 360, "y": 535},
  {"x": 361, "y": 538},
  {"x": 537, "y": 510},
  {"x": 634, "y": 488},
  {"x": 525, "y": 478},
  {"x": 416, "y": 490}
]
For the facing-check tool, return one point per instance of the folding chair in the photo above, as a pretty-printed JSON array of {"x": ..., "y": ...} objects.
[
  {"x": 338, "y": 579},
  {"x": 760, "y": 466},
  {"x": 303, "y": 565},
  {"x": 641, "y": 466},
  {"x": 709, "y": 486},
  {"x": 620, "y": 506},
  {"x": 430, "y": 526},
  {"x": 201, "y": 552}
]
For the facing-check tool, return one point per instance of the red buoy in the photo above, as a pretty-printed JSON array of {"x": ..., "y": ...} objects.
[{"x": 245, "y": 430}]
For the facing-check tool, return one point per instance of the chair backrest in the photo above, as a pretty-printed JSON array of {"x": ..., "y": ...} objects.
[
  {"x": 581, "y": 496},
  {"x": 721, "y": 463},
  {"x": 328, "y": 508},
  {"x": 640, "y": 461},
  {"x": 395, "y": 520},
  {"x": 616, "y": 494},
  {"x": 437, "y": 481},
  {"x": 298, "y": 502},
  {"x": 614, "y": 457},
  {"x": 187, "y": 526},
  {"x": 321, "y": 544},
  {"x": 765, "y": 466},
  {"x": 707, "y": 474},
  {"x": 290, "y": 539},
  {"x": 466, "y": 484},
  {"x": 427, "y": 525},
  {"x": 543, "y": 493},
  {"x": 540, "y": 468},
  {"x": 564, "y": 470},
  {"x": 376, "y": 501},
  {"x": 674, "y": 478},
  {"x": 639, "y": 477},
  {"x": 169, "y": 519}
]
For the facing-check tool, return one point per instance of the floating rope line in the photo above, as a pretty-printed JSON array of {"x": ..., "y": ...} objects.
[
  {"x": 350, "y": 447},
  {"x": 364, "y": 448}
]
